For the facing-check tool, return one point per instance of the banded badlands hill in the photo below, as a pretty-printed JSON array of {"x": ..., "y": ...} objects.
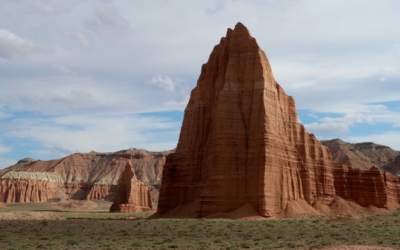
[
  {"x": 365, "y": 155},
  {"x": 79, "y": 176},
  {"x": 64, "y": 178},
  {"x": 243, "y": 149}
]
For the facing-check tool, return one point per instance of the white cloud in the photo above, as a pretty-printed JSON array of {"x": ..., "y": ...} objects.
[
  {"x": 339, "y": 125},
  {"x": 50, "y": 7},
  {"x": 327, "y": 128},
  {"x": 3, "y": 113},
  {"x": 4, "y": 162},
  {"x": 4, "y": 149},
  {"x": 42, "y": 7},
  {"x": 390, "y": 138},
  {"x": 66, "y": 91},
  {"x": 328, "y": 58},
  {"x": 112, "y": 18},
  {"x": 312, "y": 115},
  {"x": 73, "y": 133},
  {"x": 107, "y": 24},
  {"x": 397, "y": 47},
  {"x": 177, "y": 105},
  {"x": 164, "y": 82},
  {"x": 365, "y": 114},
  {"x": 169, "y": 85},
  {"x": 80, "y": 37},
  {"x": 12, "y": 45}
]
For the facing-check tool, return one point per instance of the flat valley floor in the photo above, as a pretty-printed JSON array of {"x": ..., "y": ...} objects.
[{"x": 89, "y": 225}]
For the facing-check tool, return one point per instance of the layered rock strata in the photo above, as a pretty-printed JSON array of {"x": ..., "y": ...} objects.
[
  {"x": 241, "y": 143},
  {"x": 29, "y": 187},
  {"x": 132, "y": 195},
  {"x": 79, "y": 176},
  {"x": 392, "y": 189},
  {"x": 364, "y": 155},
  {"x": 366, "y": 187}
]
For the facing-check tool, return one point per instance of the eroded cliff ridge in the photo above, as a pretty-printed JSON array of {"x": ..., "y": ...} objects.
[
  {"x": 365, "y": 155},
  {"x": 241, "y": 143},
  {"x": 132, "y": 195},
  {"x": 79, "y": 176}
]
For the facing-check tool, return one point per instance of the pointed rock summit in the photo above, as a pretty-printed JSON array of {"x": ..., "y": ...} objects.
[
  {"x": 132, "y": 195},
  {"x": 241, "y": 143}
]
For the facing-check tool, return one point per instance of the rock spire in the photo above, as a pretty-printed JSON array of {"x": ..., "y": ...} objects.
[
  {"x": 132, "y": 195},
  {"x": 241, "y": 143}
]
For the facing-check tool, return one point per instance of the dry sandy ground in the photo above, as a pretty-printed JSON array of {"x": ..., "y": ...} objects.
[
  {"x": 357, "y": 247},
  {"x": 28, "y": 215}
]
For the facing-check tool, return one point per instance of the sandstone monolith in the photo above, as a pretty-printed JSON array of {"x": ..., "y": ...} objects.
[
  {"x": 132, "y": 195},
  {"x": 241, "y": 143}
]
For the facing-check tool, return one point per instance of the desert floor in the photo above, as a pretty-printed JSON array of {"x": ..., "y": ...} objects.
[{"x": 63, "y": 225}]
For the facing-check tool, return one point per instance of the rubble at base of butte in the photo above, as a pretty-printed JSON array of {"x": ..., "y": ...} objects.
[
  {"x": 243, "y": 150},
  {"x": 132, "y": 195}
]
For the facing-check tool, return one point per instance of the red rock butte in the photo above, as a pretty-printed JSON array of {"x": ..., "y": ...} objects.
[
  {"x": 241, "y": 143},
  {"x": 132, "y": 195}
]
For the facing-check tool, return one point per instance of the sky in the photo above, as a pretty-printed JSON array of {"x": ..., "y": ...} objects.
[{"x": 107, "y": 75}]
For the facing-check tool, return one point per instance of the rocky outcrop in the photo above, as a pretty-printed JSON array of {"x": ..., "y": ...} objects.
[
  {"x": 29, "y": 187},
  {"x": 366, "y": 187},
  {"x": 392, "y": 189},
  {"x": 102, "y": 191},
  {"x": 241, "y": 143},
  {"x": 79, "y": 176},
  {"x": 132, "y": 195},
  {"x": 393, "y": 166},
  {"x": 364, "y": 155}
]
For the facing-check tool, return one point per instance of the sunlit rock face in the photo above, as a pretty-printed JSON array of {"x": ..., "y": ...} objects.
[
  {"x": 79, "y": 176},
  {"x": 132, "y": 195},
  {"x": 241, "y": 142}
]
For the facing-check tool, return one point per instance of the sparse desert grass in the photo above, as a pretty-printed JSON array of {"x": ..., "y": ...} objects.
[{"x": 101, "y": 230}]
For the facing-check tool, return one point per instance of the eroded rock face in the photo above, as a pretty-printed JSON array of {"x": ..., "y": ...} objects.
[
  {"x": 29, "y": 187},
  {"x": 132, "y": 195},
  {"x": 392, "y": 189},
  {"x": 364, "y": 155},
  {"x": 366, "y": 187},
  {"x": 241, "y": 142},
  {"x": 79, "y": 176}
]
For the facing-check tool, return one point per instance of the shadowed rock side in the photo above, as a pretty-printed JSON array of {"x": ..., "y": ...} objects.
[
  {"x": 132, "y": 195},
  {"x": 241, "y": 143},
  {"x": 367, "y": 188},
  {"x": 79, "y": 176}
]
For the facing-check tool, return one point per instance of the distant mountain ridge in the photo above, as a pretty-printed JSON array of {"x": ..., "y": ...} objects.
[
  {"x": 364, "y": 155},
  {"x": 91, "y": 175},
  {"x": 94, "y": 175}
]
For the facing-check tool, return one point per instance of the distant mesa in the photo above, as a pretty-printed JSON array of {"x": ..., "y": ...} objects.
[
  {"x": 132, "y": 195},
  {"x": 242, "y": 149},
  {"x": 79, "y": 176},
  {"x": 365, "y": 155}
]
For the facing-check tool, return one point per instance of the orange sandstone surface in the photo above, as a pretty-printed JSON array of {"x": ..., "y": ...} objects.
[
  {"x": 79, "y": 176},
  {"x": 242, "y": 150},
  {"x": 132, "y": 195}
]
